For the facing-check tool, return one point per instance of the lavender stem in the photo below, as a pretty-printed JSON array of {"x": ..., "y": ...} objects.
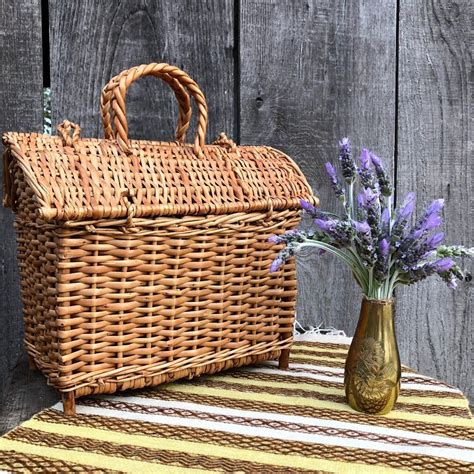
[
  {"x": 371, "y": 281},
  {"x": 343, "y": 256},
  {"x": 362, "y": 269},
  {"x": 392, "y": 284}
]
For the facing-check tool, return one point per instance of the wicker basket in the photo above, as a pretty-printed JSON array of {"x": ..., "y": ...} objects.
[{"x": 143, "y": 262}]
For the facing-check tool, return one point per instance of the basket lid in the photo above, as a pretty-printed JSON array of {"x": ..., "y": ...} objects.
[{"x": 77, "y": 179}]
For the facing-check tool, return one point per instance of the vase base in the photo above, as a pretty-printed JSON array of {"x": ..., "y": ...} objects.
[{"x": 378, "y": 404}]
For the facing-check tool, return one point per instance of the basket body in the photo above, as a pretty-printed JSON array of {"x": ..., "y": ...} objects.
[
  {"x": 142, "y": 262},
  {"x": 109, "y": 310}
]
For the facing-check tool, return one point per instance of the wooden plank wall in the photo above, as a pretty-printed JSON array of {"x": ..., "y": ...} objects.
[
  {"x": 92, "y": 41},
  {"x": 21, "y": 97},
  {"x": 435, "y": 158},
  {"x": 297, "y": 75},
  {"x": 322, "y": 70}
]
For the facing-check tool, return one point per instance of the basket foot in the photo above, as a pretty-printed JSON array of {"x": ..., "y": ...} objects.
[
  {"x": 284, "y": 360},
  {"x": 69, "y": 403},
  {"x": 31, "y": 363}
]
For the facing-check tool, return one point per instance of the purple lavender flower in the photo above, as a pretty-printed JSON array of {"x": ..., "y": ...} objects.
[
  {"x": 433, "y": 241},
  {"x": 331, "y": 171},
  {"x": 366, "y": 173},
  {"x": 414, "y": 249},
  {"x": 336, "y": 185},
  {"x": 311, "y": 210},
  {"x": 450, "y": 272},
  {"x": 386, "y": 216},
  {"x": 376, "y": 161},
  {"x": 366, "y": 249},
  {"x": 381, "y": 265},
  {"x": 307, "y": 206},
  {"x": 429, "y": 221},
  {"x": 416, "y": 273},
  {"x": 325, "y": 225},
  {"x": 384, "y": 247},
  {"x": 292, "y": 242},
  {"x": 294, "y": 235},
  {"x": 443, "y": 265},
  {"x": 435, "y": 207},
  {"x": 452, "y": 283},
  {"x": 383, "y": 180},
  {"x": 370, "y": 197},
  {"x": 427, "y": 248},
  {"x": 402, "y": 216},
  {"x": 407, "y": 207},
  {"x": 276, "y": 264},
  {"x": 361, "y": 211},
  {"x": 362, "y": 227},
  {"x": 371, "y": 209},
  {"x": 348, "y": 166},
  {"x": 382, "y": 243},
  {"x": 365, "y": 159},
  {"x": 364, "y": 243},
  {"x": 340, "y": 231}
]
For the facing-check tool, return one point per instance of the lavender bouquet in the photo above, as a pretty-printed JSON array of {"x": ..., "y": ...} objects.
[{"x": 380, "y": 244}]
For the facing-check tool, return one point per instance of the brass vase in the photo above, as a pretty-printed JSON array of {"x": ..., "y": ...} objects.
[{"x": 372, "y": 373}]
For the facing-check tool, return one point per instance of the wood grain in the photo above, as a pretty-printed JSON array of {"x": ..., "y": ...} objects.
[
  {"x": 92, "y": 41},
  {"x": 311, "y": 73},
  {"x": 26, "y": 395},
  {"x": 21, "y": 86},
  {"x": 436, "y": 88}
]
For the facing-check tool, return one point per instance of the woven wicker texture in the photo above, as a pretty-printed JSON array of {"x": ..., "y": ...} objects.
[{"x": 141, "y": 261}]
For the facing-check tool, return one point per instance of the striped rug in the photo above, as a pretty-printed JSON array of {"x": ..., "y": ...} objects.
[{"x": 256, "y": 419}]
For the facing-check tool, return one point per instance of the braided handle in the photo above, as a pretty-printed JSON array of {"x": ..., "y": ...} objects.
[
  {"x": 113, "y": 102},
  {"x": 184, "y": 107}
]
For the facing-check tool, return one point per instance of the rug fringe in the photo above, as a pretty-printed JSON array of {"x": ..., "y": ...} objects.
[{"x": 319, "y": 333}]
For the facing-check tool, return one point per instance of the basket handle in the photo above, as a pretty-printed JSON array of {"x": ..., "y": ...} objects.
[
  {"x": 113, "y": 102},
  {"x": 184, "y": 107}
]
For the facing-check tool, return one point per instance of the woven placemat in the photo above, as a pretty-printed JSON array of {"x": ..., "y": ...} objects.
[{"x": 255, "y": 419}]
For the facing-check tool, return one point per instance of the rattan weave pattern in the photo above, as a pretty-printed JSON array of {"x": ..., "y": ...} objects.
[{"x": 142, "y": 262}]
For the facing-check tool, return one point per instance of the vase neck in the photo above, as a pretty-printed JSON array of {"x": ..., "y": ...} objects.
[
  {"x": 379, "y": 302},
  {"x": 382, "y": 310}
]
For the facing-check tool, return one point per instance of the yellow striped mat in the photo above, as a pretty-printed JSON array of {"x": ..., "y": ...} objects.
[{"x": 254, "y": 419}]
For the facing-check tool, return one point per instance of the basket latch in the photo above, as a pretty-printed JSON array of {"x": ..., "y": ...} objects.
[
  {"x": 70, "y": 133},
  {"x": 128, "y": 195},
  {"x": 225, "y": 142}
]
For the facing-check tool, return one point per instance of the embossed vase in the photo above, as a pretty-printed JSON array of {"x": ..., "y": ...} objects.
[{"x": 372, "y": 372}]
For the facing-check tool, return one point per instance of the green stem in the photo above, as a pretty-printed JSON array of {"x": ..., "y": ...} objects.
[
  {"x": 346, "y": 258},
  {"x": 362, "y": 269},
  {"x": 371, "y": 282},
  {"x": 351, "y": 201},
  {"x": 387, "y": 285},
  {"x": 393, "y": 281}
]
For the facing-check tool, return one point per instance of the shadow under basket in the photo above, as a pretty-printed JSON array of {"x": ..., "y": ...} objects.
[{"x": 144, "y": 262}]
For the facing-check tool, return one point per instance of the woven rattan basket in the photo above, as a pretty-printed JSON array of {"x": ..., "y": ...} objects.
[{"x": 143, "y": 262}]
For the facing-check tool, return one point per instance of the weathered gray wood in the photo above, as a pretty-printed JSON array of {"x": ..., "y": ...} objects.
[
  {"x": 436, "y": 88},
  {"x": 26, "y": 395},
  {"x": 21, "y": 83},
  {"x": 92, "y": 41},
  {"x": 311, "y": 73}
]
